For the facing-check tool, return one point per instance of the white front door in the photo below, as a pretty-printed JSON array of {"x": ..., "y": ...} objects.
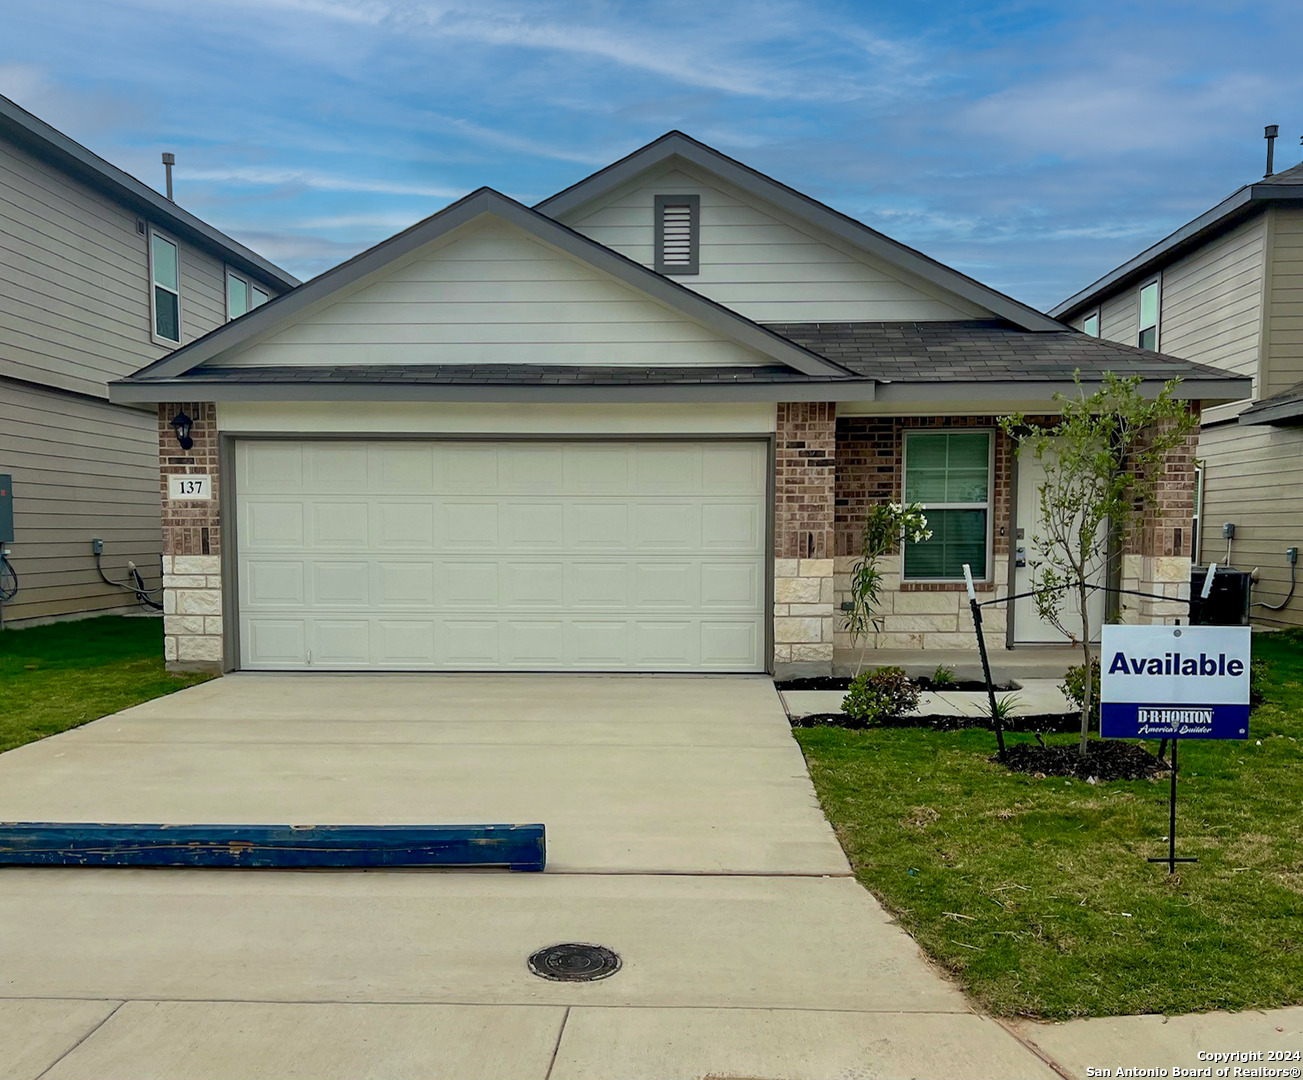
[
  {"x": 1030, "y": 628},
  {"x": 541, "y": 555}
]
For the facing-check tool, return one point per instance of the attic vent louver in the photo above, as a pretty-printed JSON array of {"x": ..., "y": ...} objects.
[{"x": 677, "y": 232}]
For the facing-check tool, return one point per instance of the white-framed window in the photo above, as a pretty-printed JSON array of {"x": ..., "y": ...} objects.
[
  {"x": 242, "y": 295},
  {"x": 1090, "y": 324},
  {"x": 1196, "y": 539},
  {"x": 165, "y": 288},
  {"x": 949, "y": 473},
  {"x": 1147, "y": 338}
]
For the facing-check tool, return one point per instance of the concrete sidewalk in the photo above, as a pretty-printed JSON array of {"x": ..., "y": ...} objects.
[{"x": 683, "y": 833}]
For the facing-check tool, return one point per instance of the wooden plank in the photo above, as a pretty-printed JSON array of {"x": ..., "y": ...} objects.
[{"x": 284, "y": 847}]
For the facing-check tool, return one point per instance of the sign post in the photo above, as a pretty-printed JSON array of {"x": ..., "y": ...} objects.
[{"x": 1174, "y": 682}]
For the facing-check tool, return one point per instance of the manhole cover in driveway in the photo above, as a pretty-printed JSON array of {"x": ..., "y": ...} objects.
[{"x": 574, "y": 962}]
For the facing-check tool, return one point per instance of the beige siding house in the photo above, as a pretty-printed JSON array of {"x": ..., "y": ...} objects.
[
  {"x": 82, "y": 302},
  {"x": 1226, "y": 290},
  {"x": 633, "y": 428}
]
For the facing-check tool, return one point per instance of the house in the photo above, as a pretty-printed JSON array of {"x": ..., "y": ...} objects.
[
  {"x": 634, "y": 427},
  {"x": 99, "y": 275},
  {"x": 1226, "y": 291}
]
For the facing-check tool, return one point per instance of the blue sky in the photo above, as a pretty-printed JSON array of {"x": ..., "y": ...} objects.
[{"x": 1031, "y": 145}]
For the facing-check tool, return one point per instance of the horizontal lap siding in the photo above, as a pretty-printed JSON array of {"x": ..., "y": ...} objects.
[
  {"x": 1285, "y": 360},
  {"x": 1119, "y": 317},
  {"x": 1253, "y": 477},
  {"x": 765, "y": 265},
  {"x": 81, "y": 470},
  {"x": 494, "y": 295}
]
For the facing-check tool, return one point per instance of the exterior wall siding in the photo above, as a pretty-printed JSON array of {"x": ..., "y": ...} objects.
[
  {"x": 83, "y": 470},
  {"x": 764, "y": 264},
  {"x": 1253, "y": 477},
  {"x": 1283, "y": 367},
  {"x": 492, "y": 294}
]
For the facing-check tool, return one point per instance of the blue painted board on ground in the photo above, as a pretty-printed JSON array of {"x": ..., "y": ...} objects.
[
  {"x": 268, "y": 847},
  {"x": 1167, "y": 682}
]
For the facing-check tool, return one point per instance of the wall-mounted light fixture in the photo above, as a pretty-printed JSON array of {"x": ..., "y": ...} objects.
[{"x": 181, "y": 424}]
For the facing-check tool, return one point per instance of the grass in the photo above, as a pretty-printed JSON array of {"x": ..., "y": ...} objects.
[
  {"x": 1036, "y": 894},
  {"x": 60, "y": 676}
]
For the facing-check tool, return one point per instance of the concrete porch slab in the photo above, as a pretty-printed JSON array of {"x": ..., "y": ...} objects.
[
  {"x": 35, "y": 1034},
  {"x": 1033, "y": 698},
  {"x": 1020, "y": 664}
]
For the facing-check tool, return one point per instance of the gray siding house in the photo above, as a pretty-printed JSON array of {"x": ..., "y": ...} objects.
[
  {"x": 99, "y": 274},
  {"x": 635, "y": 427},
  {"x": 1226, "y": 291}
]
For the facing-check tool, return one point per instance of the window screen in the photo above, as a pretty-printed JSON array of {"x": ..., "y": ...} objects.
[{"x": 949, "y": 473}]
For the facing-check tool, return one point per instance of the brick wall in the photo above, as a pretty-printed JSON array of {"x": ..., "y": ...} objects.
[
  {"x": 804, "y": 483},
  {"x": 192, "y": 544}
]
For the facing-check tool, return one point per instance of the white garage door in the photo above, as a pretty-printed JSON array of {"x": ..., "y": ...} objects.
[{"x": 581, "y": 556}]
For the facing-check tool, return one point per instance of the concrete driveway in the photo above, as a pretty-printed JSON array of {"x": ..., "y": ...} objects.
[{"x": 683, "y": 832}]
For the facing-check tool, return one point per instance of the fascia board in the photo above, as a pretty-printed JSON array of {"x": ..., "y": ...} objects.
[
  {"x": 1209, "y": 391},
  {"x": 56, "y": 148},
  {"x": 263, "y": 320},
  {"x": 801, "y": 206}
]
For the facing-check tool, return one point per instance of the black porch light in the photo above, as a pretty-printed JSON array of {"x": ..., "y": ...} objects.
[{"x": 181, "y": 424}]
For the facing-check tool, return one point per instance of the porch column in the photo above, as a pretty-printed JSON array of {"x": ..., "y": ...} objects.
[
  {"x": 1156, "y": 557},
  {"x": 804, "y": 478},
  {"x": 192, "y": 544}
]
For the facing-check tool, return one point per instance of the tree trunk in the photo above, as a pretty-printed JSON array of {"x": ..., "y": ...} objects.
[{"x": 1088, "y": 695}]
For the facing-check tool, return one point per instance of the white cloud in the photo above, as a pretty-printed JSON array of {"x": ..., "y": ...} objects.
[{"x": 271, "y": 176}]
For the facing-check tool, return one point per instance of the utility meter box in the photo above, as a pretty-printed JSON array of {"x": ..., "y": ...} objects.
[{"x": 6, "y": 509}]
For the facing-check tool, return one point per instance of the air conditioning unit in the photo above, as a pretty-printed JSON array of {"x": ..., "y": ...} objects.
[{"x": 1228, "y": 599}]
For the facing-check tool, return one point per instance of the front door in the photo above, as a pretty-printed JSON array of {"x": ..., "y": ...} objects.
[{"x": 1030, "y": 628}]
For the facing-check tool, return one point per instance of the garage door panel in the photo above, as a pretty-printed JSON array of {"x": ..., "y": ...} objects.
[{"x": 619, "y": 556}]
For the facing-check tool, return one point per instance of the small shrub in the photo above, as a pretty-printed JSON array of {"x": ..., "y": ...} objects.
[
  {"x": 1074, "y": 688},
  {"x": 943, "y": 676},
  {"x": 1259, "y": 673},
  {"x": 880, "y": 693}
]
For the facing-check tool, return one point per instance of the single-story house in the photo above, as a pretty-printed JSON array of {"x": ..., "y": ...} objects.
[{"x": 632, "y": 428}]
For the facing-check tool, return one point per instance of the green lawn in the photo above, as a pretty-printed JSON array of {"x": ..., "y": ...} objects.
[
  {"x": 1036, "y": 893},
  {"x": 59, "y": 676}
]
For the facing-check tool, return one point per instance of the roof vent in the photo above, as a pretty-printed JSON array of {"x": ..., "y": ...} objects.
[
  {"x": 168, "y": 161},
  {"x": 1269, "y": 133},
  {"x": 677, "y": 231}
]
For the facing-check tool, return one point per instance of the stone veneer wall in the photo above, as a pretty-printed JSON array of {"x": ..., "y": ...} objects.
[
  {"x": 913, "y": 615},
  {"x": 804, "y": 482},
  {"x": 192, "y": 545}
]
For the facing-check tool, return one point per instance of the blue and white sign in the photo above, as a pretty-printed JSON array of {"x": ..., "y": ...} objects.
[{"x": 1168, "y": 682}]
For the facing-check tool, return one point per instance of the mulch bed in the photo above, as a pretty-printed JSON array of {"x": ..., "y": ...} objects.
[
  {"x": 1111, "y": 760},
  {"x": 829, "y": 682},
  {"x": 1045, "y": 723}
]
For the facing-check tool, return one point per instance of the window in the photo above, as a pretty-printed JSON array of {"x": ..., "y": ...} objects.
[
  {"x": 1090, "y": 324},
  {"x": 678, "y": 220},
  {"x": 165, "y": 272},
  {"x": 1148, "y": 336},
  {"x": 1196, "y": 542},
  {"x": 949, "y": 472},
  {"x": 242, "y": 295}
]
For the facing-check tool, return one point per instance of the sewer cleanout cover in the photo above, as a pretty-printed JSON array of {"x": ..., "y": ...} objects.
[{"x": 574, "y": 962}]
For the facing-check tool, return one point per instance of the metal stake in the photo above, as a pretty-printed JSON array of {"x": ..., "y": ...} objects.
[
  {"x": 986, "y": 664},
  {"x": 1171, "y": 859}
]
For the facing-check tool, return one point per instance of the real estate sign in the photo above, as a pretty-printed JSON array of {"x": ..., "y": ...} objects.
[{"x": 1167, "y": 682}]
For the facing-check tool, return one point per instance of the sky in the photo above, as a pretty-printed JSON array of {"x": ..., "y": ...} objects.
[{"x": 1034, "y": 146}]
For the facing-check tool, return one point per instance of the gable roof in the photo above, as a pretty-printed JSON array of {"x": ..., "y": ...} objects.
[
  {"x": 263, "y": 320},
  {"x": 53, "y": 146},
  {"x": 1281, "y": 187},
  {"x": 1283, "y": 408},
  {"x": 675, "y": 144}
]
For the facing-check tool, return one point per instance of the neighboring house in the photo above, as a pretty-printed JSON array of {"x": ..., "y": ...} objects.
[
  {"x": 1226, "y": 290},
  {"x": 99, "y": 274},
  {"x": 634, "y": 428}
]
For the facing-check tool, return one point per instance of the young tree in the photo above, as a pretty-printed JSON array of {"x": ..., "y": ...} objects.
[
  {"x": 1102, "y": 459},
  {"x": 885, "y": 526}
]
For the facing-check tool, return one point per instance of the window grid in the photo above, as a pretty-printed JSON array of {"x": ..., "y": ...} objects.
[{"x": 947, "y": 515}]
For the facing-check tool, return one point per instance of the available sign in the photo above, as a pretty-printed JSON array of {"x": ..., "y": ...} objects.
[{"x": 1167, "y": 682}]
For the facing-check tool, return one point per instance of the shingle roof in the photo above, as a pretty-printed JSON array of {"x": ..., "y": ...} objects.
[
  {"x": 978, "y": 351},
  {"x": 1283, "y": 408}
]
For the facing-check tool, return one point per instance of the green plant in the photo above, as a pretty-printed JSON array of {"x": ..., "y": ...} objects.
[
  {"x": 1076, "y": 691},
  {"x": 1004, "y": 708},
  {"x": 1102, "y": 460},
  {"x": 943, "y": 676},
  {"x": 885, "y": 526},
  {"x": 877, "y": 694}
]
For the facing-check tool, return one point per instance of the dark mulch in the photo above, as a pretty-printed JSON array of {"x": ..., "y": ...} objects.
[
  {"x": 828, "y": 682},
  {"x": 1045, "y": 724},
  {"x": 1110, "y": 760}
]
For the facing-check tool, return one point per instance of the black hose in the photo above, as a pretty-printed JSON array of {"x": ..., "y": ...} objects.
[
  {"x": 1288, "y": 596},
  {"x": 8, "y": 580},
  {"x": 136, "y": 586}
]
